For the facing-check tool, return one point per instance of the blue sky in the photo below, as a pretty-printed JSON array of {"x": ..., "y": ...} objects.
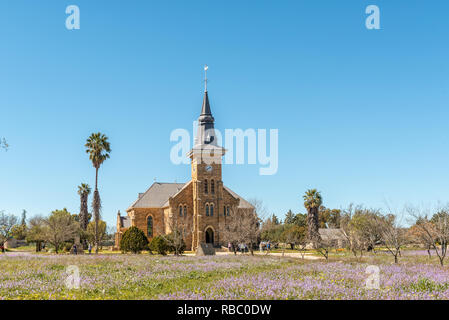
[{"x": 362, "y": 114}]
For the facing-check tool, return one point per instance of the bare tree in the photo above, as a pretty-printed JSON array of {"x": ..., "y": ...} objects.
[
  {"x": 244, "y": 225},
  {"x": 7, "y": 222},
  {"x": 323, "y": 245},
  {"x": 302, "y": 246},
  {"x": 232, "y": 231},
  {"x": 433, "y": 232},
  {"x": 351, "y": 225},
  {"x": 252, "y": 222},
  {"x": 360, "y": 228},
  {"x": 393, "y": 235},
  {"x": 180, "y": 229}
]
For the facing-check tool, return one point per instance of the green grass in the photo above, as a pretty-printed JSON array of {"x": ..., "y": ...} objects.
[
  {"x": 28, "y": 248},
  {"x": 108, "y": 276},
  {"x": 144, "y": 276}
]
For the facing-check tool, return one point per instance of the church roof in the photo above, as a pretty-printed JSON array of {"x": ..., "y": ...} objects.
[
  {"x": 331, "y": 234},
  {"x": 243, "y": 203},
  {"x": 185, "y": 186},
  {"x": 125, "y": 222},
  {"x": 156, "y": 195}
]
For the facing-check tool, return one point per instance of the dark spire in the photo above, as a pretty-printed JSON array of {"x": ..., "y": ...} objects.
[
  {"x": 206, "y": 132},
  {"x": 205, "y": 110},
  {"x": 206, "y": 114},
  {"x": 205, "y": 138}
]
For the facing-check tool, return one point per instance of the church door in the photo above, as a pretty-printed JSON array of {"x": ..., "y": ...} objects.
[{"x": 210, "y": 235}]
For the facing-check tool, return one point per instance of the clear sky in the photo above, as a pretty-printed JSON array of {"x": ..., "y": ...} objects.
[{"x": 362, "y": 114}]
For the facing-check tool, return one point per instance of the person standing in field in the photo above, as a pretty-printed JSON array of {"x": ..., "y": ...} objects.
[{"x": 89, "y": 248}]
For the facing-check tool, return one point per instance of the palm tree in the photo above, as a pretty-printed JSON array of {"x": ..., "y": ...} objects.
[
  {"x": 98, "y": 148},
  {"x": 312, "y": 202},
  {"x": 83, "y": 191}
]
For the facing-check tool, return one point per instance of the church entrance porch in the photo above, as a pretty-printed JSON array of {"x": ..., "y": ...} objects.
[{"x": 210, "y": 235}]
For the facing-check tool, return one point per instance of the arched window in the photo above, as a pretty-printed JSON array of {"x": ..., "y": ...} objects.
[
  {"x": 207, "y": 210},
  {"x": 224, "y": 211},
  {"x": 150, "y": 226},
  {"x": 212, "y": 186},
  {"x": 205, "y": 186},
  {"x": 180, "y": 210},
  {"x": 211, "y": 210},
  {"x": 185, "y": 211},
  {"x": 228, "y": 211}
]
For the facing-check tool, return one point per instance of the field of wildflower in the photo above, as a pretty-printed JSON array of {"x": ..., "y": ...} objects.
[{"x": 220, "y": 277}]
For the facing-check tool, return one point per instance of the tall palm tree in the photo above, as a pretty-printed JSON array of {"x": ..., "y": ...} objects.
[
  {"x": 312, "y": 202},
  {"x": 84, "y": 191},
  {"x": 98, "y": 148}
]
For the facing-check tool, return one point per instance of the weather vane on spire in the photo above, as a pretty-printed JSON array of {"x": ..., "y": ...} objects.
[{"x": 205, "y": 77}]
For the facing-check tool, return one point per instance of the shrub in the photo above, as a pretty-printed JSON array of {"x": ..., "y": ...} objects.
[
  {"x": 177, "y": 243},
  {"x": 67, "y": 246},
  {"x": 133, "y": 240},
  {"x": 160, "y": 245}
]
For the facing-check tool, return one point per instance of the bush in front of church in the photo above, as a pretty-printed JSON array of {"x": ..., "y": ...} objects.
[
  {"x": 133, "y": 240},
  {"x": 160, "y": 245},
  {"x": 176, "y": 242}
]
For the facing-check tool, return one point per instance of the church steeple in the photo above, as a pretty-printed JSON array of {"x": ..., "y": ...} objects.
[
  {"x": 206, "y": 133},
  {"x": 205, "y": 110}
]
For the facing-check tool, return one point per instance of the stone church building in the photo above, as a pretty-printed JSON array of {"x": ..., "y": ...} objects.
[{"x": 204, "y": 204}]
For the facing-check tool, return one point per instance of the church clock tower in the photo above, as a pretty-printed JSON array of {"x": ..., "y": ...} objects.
[{"x": 206, "y": 160}]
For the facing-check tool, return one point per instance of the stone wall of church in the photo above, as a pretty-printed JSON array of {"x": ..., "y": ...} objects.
[
  {"x": 217, "y": 221},
  {"x": 140, "y": 220},
  {"x": 185, "y": 223}
]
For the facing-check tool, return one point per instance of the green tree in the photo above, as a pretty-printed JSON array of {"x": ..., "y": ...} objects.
[
  {"x": 7, "y": 222},
  {"x": 101, "y": 231},
  {"x": 19, "y": 231},
  {"x": 23, "y": 222},
  {"x": 312, "y": 202},
  {"x": 329, "y": 218},
  {"x": 98, "y": 148},
  {"x": 293, "y": 235},
  {"x": 83, "y": 191},
  {"x": 272, "y": 232},
  {"x": 440, "y": 215},
  {"x": 300, "y": 220},
  {"x": 289, "y": 217},
  {"x": 133, "y": 240},
  {"x": 36, "y": 231},
  {"x": 60, "y": 227},
  {"x": 160, "y": 245}
]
